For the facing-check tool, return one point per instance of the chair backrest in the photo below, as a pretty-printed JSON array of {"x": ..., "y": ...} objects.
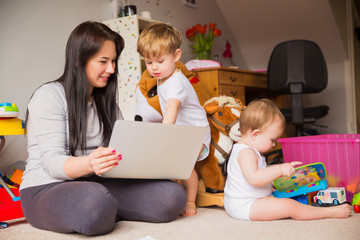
[{"x": 297, "y": 62}]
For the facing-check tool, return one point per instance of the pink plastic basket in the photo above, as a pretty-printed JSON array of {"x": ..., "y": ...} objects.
[{"x": 340, "y": 153}]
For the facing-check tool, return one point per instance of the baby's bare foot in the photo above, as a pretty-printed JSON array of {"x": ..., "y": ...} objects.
[
  {"x": 341, "y": 211},
  {"x": 190, "y": 209}
]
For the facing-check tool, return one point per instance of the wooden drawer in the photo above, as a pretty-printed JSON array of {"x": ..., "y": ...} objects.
[
  {"x": 231, "y": 78},
  {"x": 255, "y": 80},
  {"x": 233, "y": 91}
]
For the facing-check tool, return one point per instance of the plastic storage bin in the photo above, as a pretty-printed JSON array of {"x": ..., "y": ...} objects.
[{"x": 340, "y": 153}]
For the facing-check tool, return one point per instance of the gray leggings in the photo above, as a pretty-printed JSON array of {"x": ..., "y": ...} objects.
[{"x": 91, "y": 206}]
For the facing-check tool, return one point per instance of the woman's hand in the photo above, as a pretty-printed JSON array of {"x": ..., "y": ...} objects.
[
  {"x": 287, "y": 169},
  {"x": 103, "y": 159},
  {"x": 99, "y": 161}
]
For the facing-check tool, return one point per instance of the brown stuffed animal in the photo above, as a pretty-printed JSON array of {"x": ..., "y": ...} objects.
[
  {"x": 148, "y": 106},
  {"x": 223, "y": 114}
]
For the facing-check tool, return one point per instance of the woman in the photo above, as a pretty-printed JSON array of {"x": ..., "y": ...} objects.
[{"x": 69, "y": 121}]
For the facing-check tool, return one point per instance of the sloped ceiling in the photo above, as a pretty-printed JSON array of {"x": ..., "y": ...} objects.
[{"x": 258, "y": 25}]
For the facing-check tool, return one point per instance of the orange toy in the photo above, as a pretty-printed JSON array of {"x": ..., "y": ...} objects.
[{"x": 16, "y": 176}]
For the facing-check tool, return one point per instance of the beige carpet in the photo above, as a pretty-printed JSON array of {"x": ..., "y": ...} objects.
[{"x": 209, "y": 223}]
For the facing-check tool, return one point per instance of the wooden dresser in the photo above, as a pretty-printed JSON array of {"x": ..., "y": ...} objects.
[{"x": 241, "y": 84}]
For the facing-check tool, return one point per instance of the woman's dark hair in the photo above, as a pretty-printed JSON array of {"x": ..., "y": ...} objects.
[{"x": 85, "y": 41}]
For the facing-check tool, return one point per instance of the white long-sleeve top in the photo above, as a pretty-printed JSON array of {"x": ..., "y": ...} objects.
[{"x": 48, "y": 136}]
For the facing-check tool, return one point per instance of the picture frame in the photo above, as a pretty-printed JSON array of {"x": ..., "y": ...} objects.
[{"x": 190, "y": 3}]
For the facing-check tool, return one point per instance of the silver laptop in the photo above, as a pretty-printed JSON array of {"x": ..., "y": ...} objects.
[{"x": 155, "y": 150}]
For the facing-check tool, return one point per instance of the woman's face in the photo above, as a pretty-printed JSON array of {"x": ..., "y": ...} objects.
[{"x": 100, "y": 66}]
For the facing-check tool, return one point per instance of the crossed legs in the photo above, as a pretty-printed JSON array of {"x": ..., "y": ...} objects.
[{"x": 90, "y": 206}]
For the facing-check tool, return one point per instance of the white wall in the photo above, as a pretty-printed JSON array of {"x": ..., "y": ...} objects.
[
  {"x": 183, "y": 17},
  {"x": 260, "y": 25},
  {"x": 334, "y": 96},
  {"x": 33, "y": 35}
]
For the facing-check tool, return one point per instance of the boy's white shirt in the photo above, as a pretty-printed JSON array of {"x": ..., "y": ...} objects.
[{"x": 177, "y": 86}]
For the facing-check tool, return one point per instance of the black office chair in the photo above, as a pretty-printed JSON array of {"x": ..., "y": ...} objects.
[{"x": 297, "y": 67}]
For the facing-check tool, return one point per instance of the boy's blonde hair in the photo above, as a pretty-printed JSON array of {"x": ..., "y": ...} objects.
[
  {"x": 259, "y": 114},
  {"x": 157, "y": 39}
]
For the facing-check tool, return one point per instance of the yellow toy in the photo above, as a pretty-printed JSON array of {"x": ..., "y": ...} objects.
[{"x": 9, "y": 124}]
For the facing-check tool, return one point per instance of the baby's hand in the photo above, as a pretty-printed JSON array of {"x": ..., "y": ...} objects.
[{"x": 288, "y": 168}]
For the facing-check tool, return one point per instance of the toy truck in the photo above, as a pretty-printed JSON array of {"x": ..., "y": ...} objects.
[{"x": 330, "y": 196}]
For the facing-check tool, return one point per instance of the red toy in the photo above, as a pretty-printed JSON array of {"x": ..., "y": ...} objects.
[
  {"x": 356, "y": 198},
  {"x": 357, "y": 208},
  {"x": 356, "y": 202},
  {"x": 9, "y": 209}
]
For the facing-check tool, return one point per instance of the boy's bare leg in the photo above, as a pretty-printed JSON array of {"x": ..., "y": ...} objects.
[
  {"x": 271, "y": 208},
  {"x": 191, "y": 188}
]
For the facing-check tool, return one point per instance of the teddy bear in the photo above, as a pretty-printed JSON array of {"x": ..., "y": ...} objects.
[{"x": 223, "y": 114}]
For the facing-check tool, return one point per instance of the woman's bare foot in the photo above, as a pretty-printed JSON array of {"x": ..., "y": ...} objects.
[
  {"x": 341, "y": 211},
  {"x": 189, "y": 210}
]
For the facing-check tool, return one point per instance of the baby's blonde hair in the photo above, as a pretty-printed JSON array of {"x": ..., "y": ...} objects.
[
  {"x": 259, "y": 114},
  {"x": 157, "y": 39}
]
